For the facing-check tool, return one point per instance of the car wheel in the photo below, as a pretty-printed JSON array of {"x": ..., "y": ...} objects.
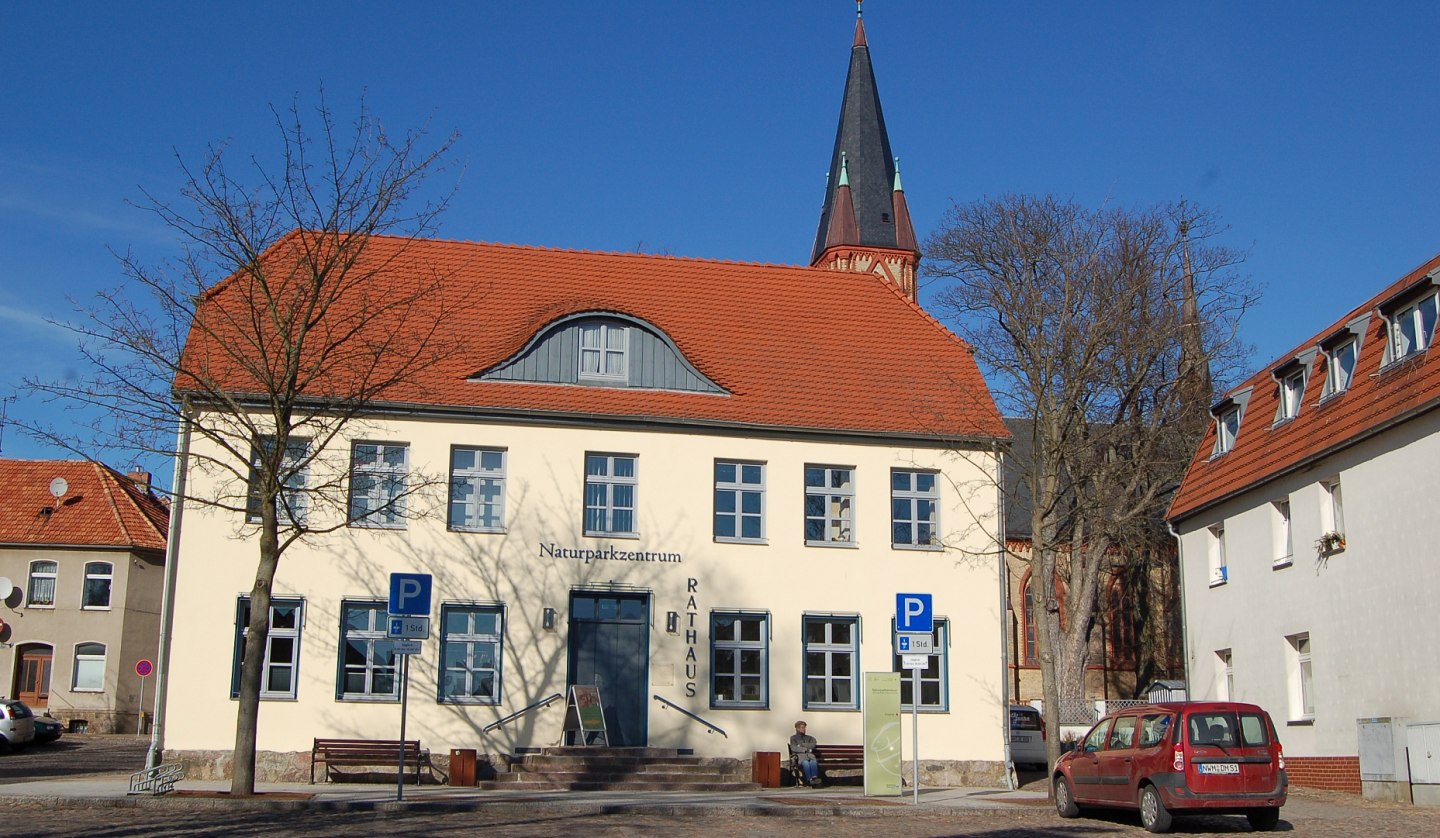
[
  {"x": 1065, "y": 805},
  {"x": 1153, "y": 815},
  {"x": 1264, "y": 820}
]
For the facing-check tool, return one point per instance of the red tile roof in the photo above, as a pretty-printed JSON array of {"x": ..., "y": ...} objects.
[
  {"x": 1373, "y": 401},
  {"x": 100, "y": 508},
  {"x": 794, "y": 347}
]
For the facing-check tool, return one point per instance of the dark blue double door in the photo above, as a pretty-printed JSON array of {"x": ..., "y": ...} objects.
[{"x": 610, "y": 648}]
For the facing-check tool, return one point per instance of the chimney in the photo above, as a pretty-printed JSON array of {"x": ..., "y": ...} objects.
[{"x": 140, "y": 478}]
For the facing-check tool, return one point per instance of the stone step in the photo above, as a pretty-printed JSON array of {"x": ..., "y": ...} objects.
[
  {"x": 612, "y": 763},
  {"x": 628, "y": 785},
  {"x": 615, "y": 777},
  {"x": 578, "y": 750}
]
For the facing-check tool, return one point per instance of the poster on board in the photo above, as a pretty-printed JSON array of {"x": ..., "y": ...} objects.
[
  {"x": 881, "y": 721},
  {"x": 585, "y": 715}
]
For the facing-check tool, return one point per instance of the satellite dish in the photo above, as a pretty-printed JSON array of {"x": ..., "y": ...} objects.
[
  {"x": 58, "y": 487},
  {"x": 6, "y": 586}
]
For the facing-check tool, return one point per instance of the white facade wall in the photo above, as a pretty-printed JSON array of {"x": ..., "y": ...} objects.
[
  {"x": 544, "y": 501},
  {"x": 1369, "y": 609}
]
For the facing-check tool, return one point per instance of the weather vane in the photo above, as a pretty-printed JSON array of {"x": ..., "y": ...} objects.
[{"x": 859, "y": 12}]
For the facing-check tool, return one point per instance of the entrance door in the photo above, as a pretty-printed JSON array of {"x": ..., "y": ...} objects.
[
  {"x": 610, "y": 648},
  {"x": 32, "y": 676}
]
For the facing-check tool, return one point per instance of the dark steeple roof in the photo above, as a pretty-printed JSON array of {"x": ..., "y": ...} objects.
[{"x": 862, "y": 139}]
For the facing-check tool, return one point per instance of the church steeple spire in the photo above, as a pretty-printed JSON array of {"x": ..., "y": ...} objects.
[{"x": 874, "y": 234}]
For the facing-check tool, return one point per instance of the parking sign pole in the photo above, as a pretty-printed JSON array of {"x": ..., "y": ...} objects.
[
  {"x": 404, "y": 695},
  {"x": 915, "y": 731}
]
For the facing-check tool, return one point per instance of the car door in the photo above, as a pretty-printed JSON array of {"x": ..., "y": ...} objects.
[
  {"x": 1258, "y": 764},
  {"x": 1212, "y": 738},
  {"x": 1085, "y": 765},
  {"x": 1115, "y": 760}
]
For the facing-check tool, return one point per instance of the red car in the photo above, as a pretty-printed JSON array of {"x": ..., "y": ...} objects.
[{"x": 1210, "y": 757}]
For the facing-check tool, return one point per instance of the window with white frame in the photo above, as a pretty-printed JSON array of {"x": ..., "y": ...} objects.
[
  {"x": 1340, "y": 366},
  {"x": 1219, "y": 570},
  {"x": 40, "y": 592},
  {"x": 1226, "y": 671},
  {"x": 832, "y": 650},
  {"x": 829, "y": 502},
  {"x": 1332, "y": 513},
  {"x": 96, "y": 593},
  {"x": 368, "y": 663},
  {"x": 281, "y": 664},
  {"x": 1292, "y": 394},
  {"x": 1227, "y": 428},
  {"x": 1283, "y": 547},
  {"x": 1412, "y": 328},
  {"x": 739, "y": 501},
  {"x": 604, "y": 348},
  {"x": 471, "y": 642},
  {"x": 292, "y": 504},
  {"x": 379, "y": 473},
  {"x": 914, "y": 509},
  {"x": 1302, "y": 689},
  {"x": 477, "y": 489},
  {"x": 610, "y": 487},
  {"x": 933, "y": 693},
  {"x": 739, "y": 659},
  {"x": 88, "y": 675}
]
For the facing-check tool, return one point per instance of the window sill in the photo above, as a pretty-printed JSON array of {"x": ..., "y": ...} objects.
[
  {"x": 482, "y": 530},
  {"x": 764, "y": 706},
  {"x": 1401, "y": 363},
  {"x": 721, "y": 539},
  {"x": 830, "y": 708},
  {"x": 843, "y": 544},
  {"x": 461, "y": 702},
  {"x": 95, "y": 608},
  {"x": 1281, "y": 564},
  {"x": 922, "y": 548},
  {"x": 1283, "y": 421},
  {"x": 1331, "y": 397},
  {"x": 361, "y": 525},
  {"x": 264, "y": 697},
  {"x": 630, "y": 535},
  {"x": 50, "y": 607},
  {"x": 1215, "y": 583},
  {"x": 369, "y": 699},
  {"x": 924, "y": 711},
  {"x": 87, "y": 689},
  {"x": 1305, "y": 721}
]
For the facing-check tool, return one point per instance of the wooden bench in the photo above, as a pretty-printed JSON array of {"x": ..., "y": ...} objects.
[
  {"x": 831, "y": 758},
  {"x": 386, "y": 752}
]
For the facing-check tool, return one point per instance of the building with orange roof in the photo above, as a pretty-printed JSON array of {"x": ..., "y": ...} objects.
[
  {"x": 1307, "y": 546},
  {"x": 82, "y": 552},
  {"x": 695, "y": 485}
]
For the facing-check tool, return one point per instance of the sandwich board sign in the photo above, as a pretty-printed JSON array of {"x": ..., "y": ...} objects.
[{"x": 584, "y": 713}]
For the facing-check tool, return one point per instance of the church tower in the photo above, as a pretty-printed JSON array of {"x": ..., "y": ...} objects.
[{"x": 864, "y": 223}]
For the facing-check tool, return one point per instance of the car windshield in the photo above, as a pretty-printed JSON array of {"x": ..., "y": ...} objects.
[
  {"x": 1024, "y": 720},
  {"x": 1227, "y": 729}
]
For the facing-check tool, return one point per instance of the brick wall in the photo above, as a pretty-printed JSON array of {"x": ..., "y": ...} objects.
[{"x": 1328, "y": 773}]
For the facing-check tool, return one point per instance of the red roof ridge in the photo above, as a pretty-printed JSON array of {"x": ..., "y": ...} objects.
[{"x": 580, "y": 251}]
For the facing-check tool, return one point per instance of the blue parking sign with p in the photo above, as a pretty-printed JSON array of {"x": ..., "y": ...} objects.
[
  {"x": 914, "y": 613},
  {"x": 410, "y": 594}
]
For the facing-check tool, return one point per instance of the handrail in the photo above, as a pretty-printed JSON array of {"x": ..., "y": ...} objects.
[
  {"x": 544, "y": 702},
  {"x": 713, "y": 729}
]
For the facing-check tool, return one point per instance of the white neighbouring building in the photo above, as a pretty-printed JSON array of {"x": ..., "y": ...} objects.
[
  {"x": 1308, "y": 544},
  {"x": 696, "y": 484}
]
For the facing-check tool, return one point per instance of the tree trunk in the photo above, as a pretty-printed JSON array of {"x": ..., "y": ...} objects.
[{"x": 242, "y": 777}]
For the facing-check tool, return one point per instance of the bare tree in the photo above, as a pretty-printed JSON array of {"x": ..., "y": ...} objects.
[
  {"x": 1079, "y": 318},
  {"x": 268, "y": 336}
]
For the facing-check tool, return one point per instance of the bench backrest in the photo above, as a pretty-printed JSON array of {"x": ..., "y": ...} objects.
[{"x": 366, "y": 746}]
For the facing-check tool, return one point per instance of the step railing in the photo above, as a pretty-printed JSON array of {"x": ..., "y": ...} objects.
[
  {"x": 158, "y": 780},
  {"x": 665, "y": 702},
  {"x": 542, "y": 703}
]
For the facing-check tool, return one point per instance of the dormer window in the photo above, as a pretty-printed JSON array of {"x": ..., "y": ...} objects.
[
  {"x": 1412, "y": 328},
  {"x": 1340, "y": 366},
  {"x": 1292, "y": 392},
  {"x": 1227, "y": 427},
  {"x": 603, "y": 350}
]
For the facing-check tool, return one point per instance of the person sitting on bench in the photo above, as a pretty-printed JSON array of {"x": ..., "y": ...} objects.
[{"x": 802, "y": 747}]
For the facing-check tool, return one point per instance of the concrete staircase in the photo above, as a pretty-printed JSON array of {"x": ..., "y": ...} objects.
[{"x": 619, "y": 769}]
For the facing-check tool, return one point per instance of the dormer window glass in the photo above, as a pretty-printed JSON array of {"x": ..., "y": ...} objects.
[
  {"x": 1227, "y": 427},
  {"x": 603, "y": 351},
  {"x": 1340, "y": 367},
  {"x": 1412, "y": 329},
  {"x": 1292, "y": 391}
]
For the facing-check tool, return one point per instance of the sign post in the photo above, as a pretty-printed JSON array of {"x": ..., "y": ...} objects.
[
  {"x": 143, "y": 668},
  {"x": 914, "y": 630},
  {"x": 409, "y": 623}
]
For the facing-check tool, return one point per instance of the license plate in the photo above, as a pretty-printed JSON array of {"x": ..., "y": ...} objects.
[{"x": 1219, "y": 768}]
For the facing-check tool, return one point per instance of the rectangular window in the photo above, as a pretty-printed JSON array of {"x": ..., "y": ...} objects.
[
  {"x": 282, "y": 648},
  {"x": 829, "y": 498},
  {"x": 603, "y": 350},
  {"x": 933, "y": 692},
  {"x": 40, "y": 592},
  {"x": 1280, "y": 530},
  {"x": 1412, "y": 328},
  {"x": 378, "y": 473},
  {"x": 1227, "y": 675},
  {"x": 477, "y": 489},
  {"x": 1219, "y": 570},
  {"x": 98, "y": 576},
  {"x": 1292, "y": 393},
  {"x": 739, "y": 660},
  {"x": 293, "y": 503},
  {"x": 1227, "y": 427},
  {"x": 832, "y": 649},
  {"x": 472, "y": 638},
  {"x": 89, "y": 670},
  {"x": 739, "y": 501},
  {"x": 368, "y": 663},
  {"x": 1302, "y": 691},
  {"x": 610, "y": 487},
  {"x": 914, "y": 505},
  {"x": 1340, "y": 367},
  {"x": 1333, "y": 512}
]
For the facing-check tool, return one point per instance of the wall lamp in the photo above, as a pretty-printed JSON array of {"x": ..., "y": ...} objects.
[
  {"x": 672, "y": 622},
  {"x": 547, "y": 619}
]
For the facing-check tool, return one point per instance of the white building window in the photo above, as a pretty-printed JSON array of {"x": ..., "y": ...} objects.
[
  {"x": 96, "y": 593},
  {"x": 1226, "y": 671},
  {"x": 1292, "y": 394},
  {"x": 368, "y": 663},
  {"x": 739, "y": 660},
  {"x": 1340, "y": 366},
  {"x": 1332, "y": 513},
  {"x": 1219, "y": 570},
  {"x": 914, "y": 505},
  {"x": 739, "y": 501},
  {"x": 470, "y": 651},
  {"x": 829, "y": 502},
  {"x": 282, "y": 648},
  {"x": 1302, "y": 690},
  {"x": 1412, "y": 328},
  {"x": 477, "y": 489},
  {"x": 293, "y": 503},
  {"x": 40, "y": 592},
  {"x": 603, "y": 351},
  {"x": 378, "y": 476},
  {"x": 832, "y": 649},
  {"x": 89, "y": 671},
  {"x": 933, "y": 694},
  {"x": 610, "y": 487},
  {"x": 1283, "y": 547},
  {"x": 1227, "y": 428}
]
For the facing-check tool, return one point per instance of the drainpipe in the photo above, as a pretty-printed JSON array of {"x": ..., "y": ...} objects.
[
  {"x": 167, "y": 603},
  {"x": 1184, "y": 620},
  {"x": 1010, "y": 778}
]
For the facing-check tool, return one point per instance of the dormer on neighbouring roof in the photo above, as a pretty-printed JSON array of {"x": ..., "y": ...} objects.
[
  {"x": 1410, "y": 316},
  {"x": 1228, "y": 413},
  {"x": 1291, "y": 378}
]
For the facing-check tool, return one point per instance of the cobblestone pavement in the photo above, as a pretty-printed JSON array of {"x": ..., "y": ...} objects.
[{"x": 73, "y": 756}]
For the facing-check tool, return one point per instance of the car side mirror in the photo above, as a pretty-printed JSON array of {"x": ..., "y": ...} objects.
[{"x": 1090, "y": 749}]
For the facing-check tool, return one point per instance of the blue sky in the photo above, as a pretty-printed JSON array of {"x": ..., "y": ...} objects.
[{"x": 704, "y": 128}]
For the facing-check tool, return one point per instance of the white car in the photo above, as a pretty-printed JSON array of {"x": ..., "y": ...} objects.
[
  {"x": 17, "y": 724},
  {"x": 1027, "y": 736}
]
